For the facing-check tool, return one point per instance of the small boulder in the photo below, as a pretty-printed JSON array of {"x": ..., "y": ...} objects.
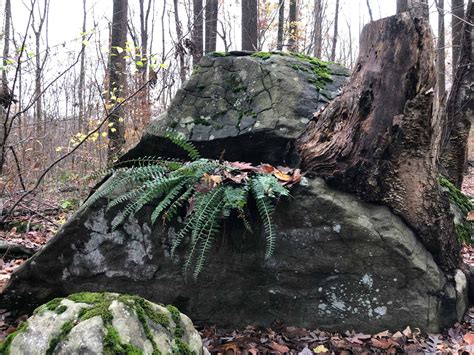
[{"x": 104, "y": 323}]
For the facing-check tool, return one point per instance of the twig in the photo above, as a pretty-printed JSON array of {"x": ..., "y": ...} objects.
[{"x": 17, "y": 163}]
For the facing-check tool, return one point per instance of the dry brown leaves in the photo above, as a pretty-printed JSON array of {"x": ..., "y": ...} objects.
[{"x": 292, "y": 340}]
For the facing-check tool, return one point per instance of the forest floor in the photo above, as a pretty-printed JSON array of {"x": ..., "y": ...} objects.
[{"x": 27, "y": 232}]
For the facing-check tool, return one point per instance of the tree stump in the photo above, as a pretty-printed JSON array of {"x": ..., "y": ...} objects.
[{"x": 376, "y": 140}]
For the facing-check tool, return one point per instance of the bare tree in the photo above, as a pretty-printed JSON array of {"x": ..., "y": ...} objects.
[
  {"x": 6, "y": 39},
  {"x": 82, "y": 70},
  {"x": 335, "y": 34},
  {"x": 370, "y": 11},
  {"x": 249, "y": 25},
  {"x": 4, "y": 90},
  {"x": 179, "y": 48},
  {"x": 211, "y": 25},
  {"x": 281, "y": 23},
  {"x": 457, "y": 11},
  {"x": 117, "y": 78},
  {"x": 318, "y": 28},
  {"x": 197, "y": 31},
  {"x": 293, "y": 18},
  {"x": 37, "y": 25},
  {"x": 440, "y": 56}
]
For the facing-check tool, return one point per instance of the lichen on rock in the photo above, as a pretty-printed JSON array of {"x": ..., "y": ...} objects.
[{"x": 104, "y": 323}]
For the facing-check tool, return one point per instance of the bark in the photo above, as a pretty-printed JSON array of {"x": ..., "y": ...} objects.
[
  {"x": 318, "y": 28},
  {"x": 249, "y": 25},
  {"x": 418, "y": 8},
  {"x": 211, "y": 25},
  {"x": 143, "y": 97},
  {"x": 4, "y": 84},
  {"x": 198, "y": 31},
  {"x": 440, "y": 57},
  {"x": 6, "y": 39},
  {"x": 459, "y": 109},
  {"x": 117, "y": 78},
  {"x": 281, "y": 22},
  {"x": 293, "y": 18},
  {"x": 375, "y": 140},
  {"x": 335, "y": 34},
  {"x": 457, "y": 11}
]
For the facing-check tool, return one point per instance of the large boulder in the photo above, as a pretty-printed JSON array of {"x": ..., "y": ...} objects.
[
  {"x": 339, "y": 263},
  {"x": 247, "y": 107},
  {"x": 104, "y": 323}
]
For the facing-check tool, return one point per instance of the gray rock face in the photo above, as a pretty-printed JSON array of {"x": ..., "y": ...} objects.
[
  {"x": 339, "y": 263},
  {"x": 105, "y": 323},
  {"x": 251, "y": 106}
]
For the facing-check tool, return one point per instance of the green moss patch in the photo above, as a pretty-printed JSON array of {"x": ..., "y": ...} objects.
[
  {"x": 463, "y": 202},
  {"x": 65, "y": 330},
  {"x": 5, "y": 345},
  {"x": 113, "y": 344}
]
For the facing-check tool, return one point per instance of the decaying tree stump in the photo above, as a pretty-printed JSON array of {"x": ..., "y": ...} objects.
[
  {"x": 376, "y": 139},
  {"x": 459, "y": 109}
]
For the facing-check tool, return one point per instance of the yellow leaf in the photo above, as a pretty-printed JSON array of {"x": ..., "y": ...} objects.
[
  {"x": 113, "y": 130},
  {"x": 111, "y": 124},
  {"x": 281, "y": 176},
  {"x": 121, "y": 119},
  {"x": 58, "y": 149},
  {"x": 320, "y": 349},
  {"x": 163, "y": 66},
  {"x": 104, "y": 134}
]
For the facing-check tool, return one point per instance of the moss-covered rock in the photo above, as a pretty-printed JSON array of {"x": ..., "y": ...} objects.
[
  {"x": 250, "y": 96},
  {"x": 104, "y": 323}
]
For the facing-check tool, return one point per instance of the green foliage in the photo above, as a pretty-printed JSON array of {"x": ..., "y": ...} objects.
[
  {"x": 463, "y": 202},
  {"x": 210, "y": 190}
]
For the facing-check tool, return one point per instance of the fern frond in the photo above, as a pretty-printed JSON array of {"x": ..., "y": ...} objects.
[
  {"x": 152, "y": 189},
  {"x": 207, "y": 236},
  {"x": 183, "y": 143},
  {"x": 265, "y": 210},
  {"x": 168, "y": 199},
  {"x": 178, "y": 203}
]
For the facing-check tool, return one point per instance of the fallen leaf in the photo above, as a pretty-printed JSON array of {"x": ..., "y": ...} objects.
[
  {"x": 382, "y": 343},
  {"x": 469, "y": 338},
  {"x": 282, "y": 176},
  {"x": 305, "y": 351},
  {"x": 266, "y": 168},
  {"x": 278, "y": 347},
  {"x": 383, "y": 334},
  {"x": 407, "y": 332},
  {"x": 320, "y": 349}
]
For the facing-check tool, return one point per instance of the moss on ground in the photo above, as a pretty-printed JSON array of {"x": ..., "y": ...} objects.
[
  {"x": 65, "y": 330},
  {"x": 463, "y": 202}
]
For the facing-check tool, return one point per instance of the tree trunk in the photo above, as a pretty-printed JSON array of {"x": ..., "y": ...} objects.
[
  {"x": 143, "y": 97},
  {"x": 375, "y": 140},
  {"x": 117, "y": 78},
  {"x": 281, "y": 22},
  {"x": 4, "y": 84},
  {"x": 457, "y": 11},
  {"x": 179, "y": 48},
  {"x": 335, "y": 34},
  {"x": 82, "y": 70},
  {"x": 459, "y": 109},
  {"x": 418, "y": 8},
  {"x": 440, "y": 57},
  {"x": 318, "y": 28},
  {"x": 249, "y": 25},
  {"x": 198, "y": 31},
  {"x": 293, "y": 18},
  {"x": 211, "y": 25}
]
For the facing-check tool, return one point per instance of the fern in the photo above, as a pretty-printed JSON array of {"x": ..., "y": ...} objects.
[
  {"x": 183, "y": 143},
  {"x": 171, "y": 184}
]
